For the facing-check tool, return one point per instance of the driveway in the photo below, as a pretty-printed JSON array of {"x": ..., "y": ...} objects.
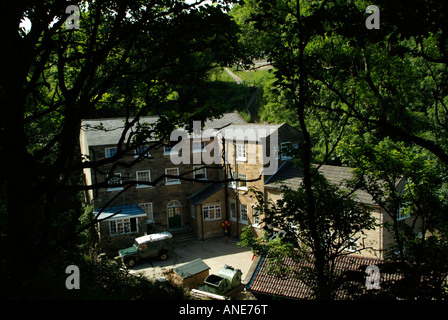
[{"x": 214, "y": 252}]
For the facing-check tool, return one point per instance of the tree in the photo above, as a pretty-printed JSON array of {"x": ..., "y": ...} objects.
[
  {"x": 366, "y": 87},
  {"x": 293, "y": 27},
  {"x": 134, "y": 57},
  {"x": 406, "y": 182},
  {"x": 338, "y": 220}
]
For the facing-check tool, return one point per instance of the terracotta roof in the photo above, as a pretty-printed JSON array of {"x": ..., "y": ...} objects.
[{"x": 288, "y": 285}]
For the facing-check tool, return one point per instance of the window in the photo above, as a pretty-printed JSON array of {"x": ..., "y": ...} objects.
[
  {"x": 211, "y": 212},
  {"x": 123, "y": 226},
  {"x": 232, "y": 184},
  {"x": 198, "y": 146},
  {"x": 352, "y": 245},
  {"x": 141, "y": 151},
  {"x": 241, "y": 151},
  {"x": 169, "y": 149},
  {"x": 233, "y": 213},
  {"x": 200, "y": 173},
  {"x": 255, "y": 217},
  {"x": 404, "y": 212},
  {"x": 243, "y": 214},
  {"x": 285, "y": 150},
  {"x": 110, "y": 152},
  {"x": 172, "y": 172},
  {"x": 115, "y": 182},
  {"x": 242, "y": 184},
  {"x": 147, "y": 207},
  {"x": 143, "y": 176}
]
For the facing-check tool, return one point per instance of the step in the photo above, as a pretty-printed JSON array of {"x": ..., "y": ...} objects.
[{"x": 184, "y": 235}]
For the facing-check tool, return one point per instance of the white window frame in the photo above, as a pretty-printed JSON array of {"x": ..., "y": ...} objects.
[
  {"x": 233, "y": 213},
  {"x": 171, "y": 181},
  {"x": 141, "y": 151},
  {"x": 149, "y": 178},
  {"x": 115, "y": 180},
  {"x": 207, "y": 212},
  {"x": 198, "y": 170},
  {"x": 256, "y": 218},
  {"x": 242, "y": 185},
  {"x": 122, "y": 226},
  {"x": 404, "y": 212},
  {"x": 244, "y": 210},
  {"x": 352, "y": 245},
  {"x": 241, "y": 151},
  {"x": 232, "y": 184},
  {"x": 107, "y": 152},
  {"x": 149, "y": 209},
  {"x": 194, "y": 146}
]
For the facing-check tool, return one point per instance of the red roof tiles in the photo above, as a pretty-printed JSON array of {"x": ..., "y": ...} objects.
[{"x": 287, "y": 284}]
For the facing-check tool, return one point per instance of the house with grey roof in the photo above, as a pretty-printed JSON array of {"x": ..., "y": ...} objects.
[
  {"x": 132, "y": 182},
  {"x": 372, "y": 243},
  {"x": 139, "y": 183}
]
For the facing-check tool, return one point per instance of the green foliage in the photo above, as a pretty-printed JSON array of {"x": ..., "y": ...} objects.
[
  {"x": 129, "y": 59},
  {"x": 371, "y": 99},
  {"x": 328, "y": 229}
]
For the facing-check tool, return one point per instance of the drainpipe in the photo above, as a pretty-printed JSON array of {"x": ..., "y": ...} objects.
[
  {"x": 202, "y": 224},
  {"x": 236, "y": 193},
  {"x": 225, "y": 175},
  {"x": 95, "y": 190}
]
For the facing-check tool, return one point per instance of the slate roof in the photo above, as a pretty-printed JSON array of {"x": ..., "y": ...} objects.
[
  {"x": 205, "y": 192},
  {"x": 289, "y": 286},
  {"x": 125, "y": 212},
  {"x": 292, "y": 177},
  {"x": 108, "y": 131},
  {"x": 249, "y": 131}
]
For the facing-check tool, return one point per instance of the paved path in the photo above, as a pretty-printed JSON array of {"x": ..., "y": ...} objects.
[
  {"x": 234, "y": 76},
  {"x": 214, "y": 252}
]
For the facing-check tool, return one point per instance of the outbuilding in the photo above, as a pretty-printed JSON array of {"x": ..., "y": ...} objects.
[{"x": 190, "y": 275}]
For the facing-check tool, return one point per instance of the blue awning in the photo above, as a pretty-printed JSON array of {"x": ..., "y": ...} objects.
[{"x": 131, "y": 211}]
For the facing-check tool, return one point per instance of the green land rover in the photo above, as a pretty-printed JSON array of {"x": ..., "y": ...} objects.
[{"x": 153, "y": 245}]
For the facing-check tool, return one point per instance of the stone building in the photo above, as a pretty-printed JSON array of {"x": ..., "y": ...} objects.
[
  {"x": 201, "y": 182},
  {"x": 372, "y": 243},
  {"x": 140, "y": 187},
  {"x": 135, "y": 187}
]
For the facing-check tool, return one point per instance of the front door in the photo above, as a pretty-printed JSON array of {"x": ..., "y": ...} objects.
[{"x": 174, "y": 211}]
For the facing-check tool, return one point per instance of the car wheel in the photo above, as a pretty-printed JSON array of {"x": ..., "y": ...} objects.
[
  {"x": 130, "y": 263},
  {"x": 163, "y": 255}
]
